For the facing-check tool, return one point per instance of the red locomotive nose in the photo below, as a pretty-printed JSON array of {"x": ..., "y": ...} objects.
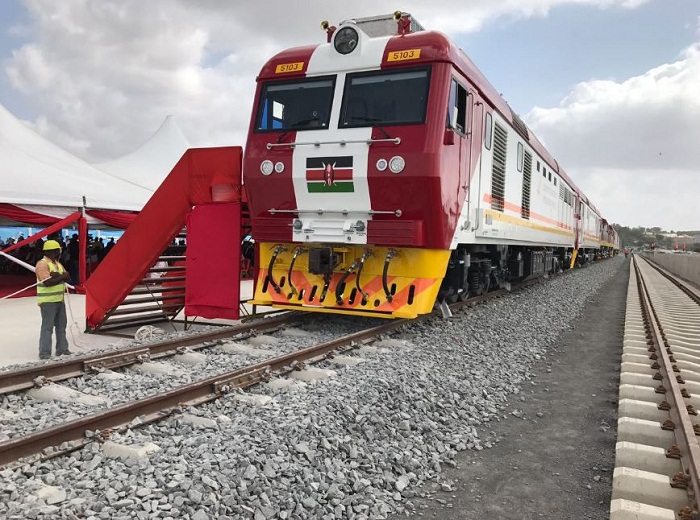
[{"x": 329, "y": 175}]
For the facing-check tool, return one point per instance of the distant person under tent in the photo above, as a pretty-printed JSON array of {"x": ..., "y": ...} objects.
[
  {"x": 50, "y": 294},
  {"x": 74, "y": 259},
  {"x": 109, "y": 246}
]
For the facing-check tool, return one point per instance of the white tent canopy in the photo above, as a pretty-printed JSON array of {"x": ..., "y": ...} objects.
[
  {"x": 35, "y": 173},
  {"x": 153, "y": 160}
]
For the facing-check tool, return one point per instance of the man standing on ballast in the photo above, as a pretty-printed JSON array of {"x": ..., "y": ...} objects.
[{"x": 50, "y": 293}]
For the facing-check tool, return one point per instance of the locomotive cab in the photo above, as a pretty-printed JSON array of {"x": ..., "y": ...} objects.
[{"x": 342, "y": 169}]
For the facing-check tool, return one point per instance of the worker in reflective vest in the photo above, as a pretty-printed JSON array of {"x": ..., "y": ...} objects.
[{"x": 52, "y": 277}]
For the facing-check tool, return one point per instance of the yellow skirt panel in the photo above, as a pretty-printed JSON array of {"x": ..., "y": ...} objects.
[{"x": 414, "y": 278}]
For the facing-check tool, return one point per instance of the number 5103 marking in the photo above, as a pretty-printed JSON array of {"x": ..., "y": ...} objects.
[
  {"x": 408, "y": 54},
  {"x": 289, "y": 67}
]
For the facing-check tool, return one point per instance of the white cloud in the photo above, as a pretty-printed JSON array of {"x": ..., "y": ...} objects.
[
  {"x": 104, "y": 73},
  {"x": 633, "y": 145}
]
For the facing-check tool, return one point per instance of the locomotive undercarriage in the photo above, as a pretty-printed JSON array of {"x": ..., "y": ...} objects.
[
  {"x": 474, "y": 269},
  {"x": 397, "y": 282}
]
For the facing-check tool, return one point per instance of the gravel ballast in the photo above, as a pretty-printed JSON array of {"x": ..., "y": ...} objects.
[
  {"x": 361, "y": 444},
  {"x": 21, "y": 414}
]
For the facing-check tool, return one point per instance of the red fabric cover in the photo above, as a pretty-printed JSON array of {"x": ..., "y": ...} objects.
[
  {"x": 212, "y": 288},
  {"x": 10, "y": 283},
  {"x": 25, "y": 216},
  {"x": 45, "y": 232},
  {"x": 115, "y": 219},
  {"x": 188, "y": 184}
]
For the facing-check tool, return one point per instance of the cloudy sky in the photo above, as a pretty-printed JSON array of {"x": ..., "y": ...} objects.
[{"x": 611, "y": 86}]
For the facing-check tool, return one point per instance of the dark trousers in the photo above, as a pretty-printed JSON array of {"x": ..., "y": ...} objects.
[{"x": 53, "y": 315}]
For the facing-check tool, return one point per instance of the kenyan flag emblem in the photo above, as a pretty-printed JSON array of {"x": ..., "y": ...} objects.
[{"x": 329, "y": 174}]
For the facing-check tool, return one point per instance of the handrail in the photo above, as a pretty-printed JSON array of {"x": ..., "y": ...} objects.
[
  {"x": 345, "y": 212},
  {"x": 342, "y": 142}
]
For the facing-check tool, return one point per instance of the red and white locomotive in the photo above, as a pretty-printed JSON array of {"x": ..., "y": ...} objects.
[{"x": 384, "y": 174}]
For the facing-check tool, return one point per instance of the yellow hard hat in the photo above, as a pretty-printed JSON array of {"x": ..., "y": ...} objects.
[{"x": 51, "y": 245}]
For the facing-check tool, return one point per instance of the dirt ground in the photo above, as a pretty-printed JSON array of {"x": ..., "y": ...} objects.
[{"x": 556, "y": 459}]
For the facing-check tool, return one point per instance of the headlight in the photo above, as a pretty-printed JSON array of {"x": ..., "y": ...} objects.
[
  {"x": 266, "y": 167},
  {"x": 279, "y": 167},
  {"x": 382, "y": 165},
  {"x": 346, "y": 40},
  {"x": 397, "y": 164}
]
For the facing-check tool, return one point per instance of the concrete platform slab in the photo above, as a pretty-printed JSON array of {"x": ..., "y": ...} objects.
[{"x": 20, "y": 322}]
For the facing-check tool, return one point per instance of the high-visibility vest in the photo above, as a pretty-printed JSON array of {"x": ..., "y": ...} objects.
[{"x": 54, "y": 293}]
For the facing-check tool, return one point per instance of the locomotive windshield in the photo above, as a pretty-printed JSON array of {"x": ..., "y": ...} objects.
[
  {"x": 299, "y": 105},
  {"x": 385, "y": 98}
]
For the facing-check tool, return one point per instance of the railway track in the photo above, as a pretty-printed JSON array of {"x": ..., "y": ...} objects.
[
  {"x": 71, "y": 435},
  {"x": 657, "y": 473},
  {"x": 23, "y": 379}
]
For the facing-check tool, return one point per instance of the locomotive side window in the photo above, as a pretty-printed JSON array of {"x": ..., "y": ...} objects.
[
  {"x": 384, "y": 98},
  {"x": 488, "y": 134},
  {"x": 520, "y": 157},
  {"x": 297, "y": 105},
  {"x": 538, "y": 165},
  {"x": 457, "y": 112}
]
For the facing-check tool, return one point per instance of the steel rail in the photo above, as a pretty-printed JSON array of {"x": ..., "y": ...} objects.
[
  {"x": 23, "y": 379},
  {"x": 683, "y": 430},
  {"x": 156, "y": 407}
]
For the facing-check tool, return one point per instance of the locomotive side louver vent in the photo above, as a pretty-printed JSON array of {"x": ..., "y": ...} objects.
[
  {"x": 520, "y": 126},
  {"x": 527, "y": 172},
  {"x": 498, "y": 173}
]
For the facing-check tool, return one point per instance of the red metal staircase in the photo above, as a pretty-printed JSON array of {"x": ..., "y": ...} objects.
[{"x": 144, "y": 278}]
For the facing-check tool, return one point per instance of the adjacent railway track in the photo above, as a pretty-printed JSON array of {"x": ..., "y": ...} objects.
[
  {"x": 25, "y": 378},
  {"x": 163, "y": 404},
  {"x": 657, "y": 472}
]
